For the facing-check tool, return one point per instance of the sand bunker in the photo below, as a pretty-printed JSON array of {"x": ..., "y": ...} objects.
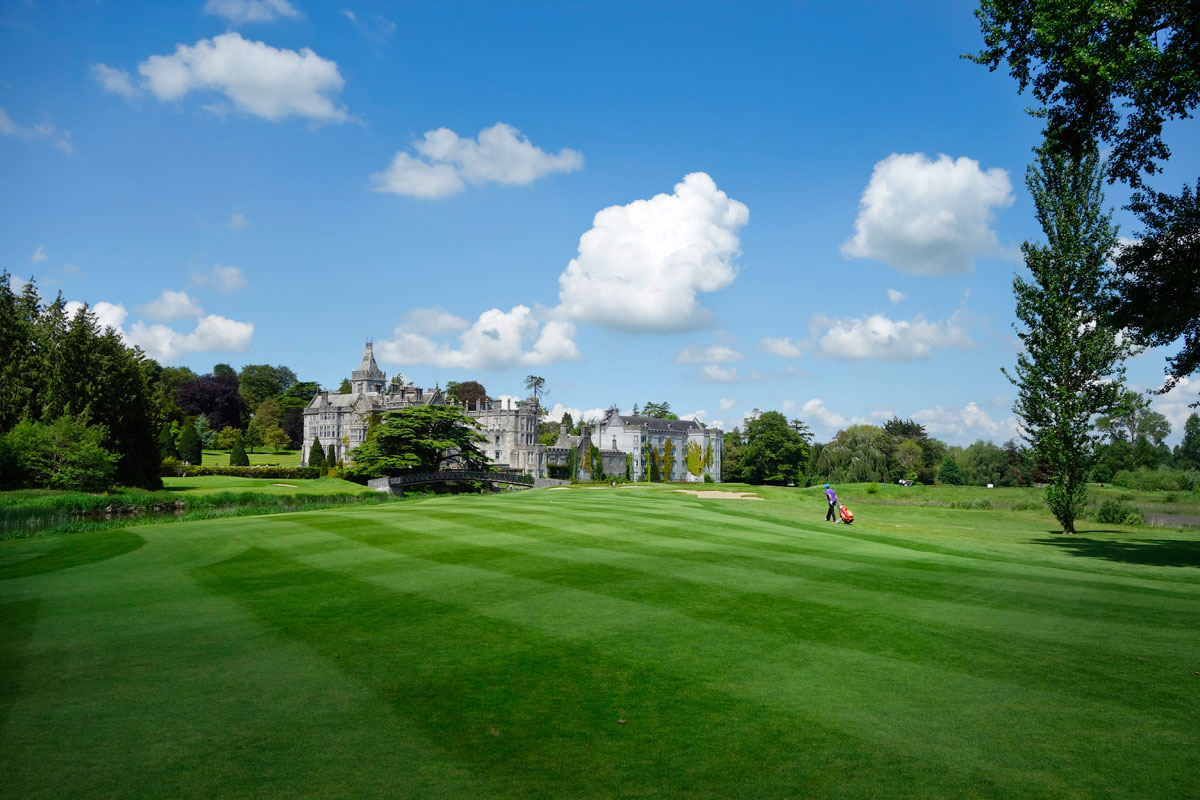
[
  {"x": 288, "y": 485},
  {"x": 717, "y": 495},
  {"x": 558, "y": 488}
]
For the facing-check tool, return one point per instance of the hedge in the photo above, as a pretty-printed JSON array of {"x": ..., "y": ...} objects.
[{"x": 298, "y": 473}]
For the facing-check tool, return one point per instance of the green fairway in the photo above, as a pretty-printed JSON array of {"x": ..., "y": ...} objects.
[
  {"x": 600, "y": 642},
  {"x": 286, "y": 458},
  {"x": 208, "y": 484}
]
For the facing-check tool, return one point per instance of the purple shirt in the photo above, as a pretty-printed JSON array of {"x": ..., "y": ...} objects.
[{"x": 830, "y": 495}]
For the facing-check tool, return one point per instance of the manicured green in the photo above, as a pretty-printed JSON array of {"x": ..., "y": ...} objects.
[
  {"x": 285, "y": 458},
  {"x": 601, "y": 642}
]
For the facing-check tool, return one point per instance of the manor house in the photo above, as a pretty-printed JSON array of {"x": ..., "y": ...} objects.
[
  {"x": 341, "y": 418},
  {"x": 685, "y": 449}
]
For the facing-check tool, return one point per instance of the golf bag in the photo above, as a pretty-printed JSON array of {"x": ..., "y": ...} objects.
[{"x": 846, "y": 514}]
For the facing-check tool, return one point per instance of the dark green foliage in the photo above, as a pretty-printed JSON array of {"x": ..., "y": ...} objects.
[
  {"x": 774, "y": 452},
  {"x": 1070, "y": 368},
  {"x": 167, "y": 446},
  {"x": 345, "y": 387},
  {"x": 1187, "y": 453},
  {"x": 257, "y": 471},
  {"x": 857, "y": 454},
  {"x": 901, "y": 429},
  {"x": 316, "y": 454},
  {"x": 536, "y": 386},
  {"x": 331, "y": 455},
  {"x": 655, "y": 465},
  {"x": 237, "y": 455},
  {"x": 217, "y": 398},
  {"x": 1113, "y": 512},
  {"x": 223, "y": 370},
  {"x": 467, "y": 392},
  {"x": 419, "y": 439},
  {"x": 658, "y": 410},
  {"x": 190, "y": 447},
  {"x": 949, "y": 472},
  {"x": 64, "y": 454},
  {"x": 1115, "y": 72},
  {"x": 258, "y": 382},
  {"x": 983, "y": 463}
]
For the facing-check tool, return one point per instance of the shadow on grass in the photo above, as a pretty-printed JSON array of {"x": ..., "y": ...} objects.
[{"x": 1152, "y": 552}]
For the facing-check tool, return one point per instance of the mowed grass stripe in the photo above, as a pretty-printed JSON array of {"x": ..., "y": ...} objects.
[
  {"x": 872, "y": 567},
  {"x": 548, "y": 704},
  {"x": 954, "y": 636}
]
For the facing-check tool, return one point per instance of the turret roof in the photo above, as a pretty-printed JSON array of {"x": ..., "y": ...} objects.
[{"x": 368, "y": 369}]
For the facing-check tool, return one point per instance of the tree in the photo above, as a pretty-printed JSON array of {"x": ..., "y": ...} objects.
[
  {"x": 1070, "y": 368},
  {"x": 658, "y": 410},
  {"x": 223, "y": 370},
  {"x": 1187, "y": 453},
  {"x": 858, "y": 454},
  {"x": 226, "y": 437},
  {"x": 331, "y": 455},
  {"x": 257, "y": 382},
  {"x": 655, "y": 465},
  {"x": 1085, "y": 62},
  {"x": 316, "y": 454},
  {"x": 216, "y": 397},
  {"x": 902, "y": 429},
  {"x": 167, "y": 447},
  {"x": 732, "y": 444},
  {"x": 949, "y": 473},
  {"x": 254, "y": 434},
  {"x": 190, "y": 449},
  {"x": 469, "y": 391},
  {"x": 275, "y": 438},
  {"x": 291, "y": 409},
  {"x": 908, "y": 458},
  {"x": 419, "y": 439},
  {"x": 774, "y": 451},
  {"x": 208, "y": 436},
  {"x": 566, "y": 420},
  {"x": 345, "y": 387},
  {"x": 237, "y": 454},
  {"x": 536, "y": 386},
  {"x": 67, "y": 453},
  {"x": 982, "y": 463},
  {"x": 1132, "y": 418}
]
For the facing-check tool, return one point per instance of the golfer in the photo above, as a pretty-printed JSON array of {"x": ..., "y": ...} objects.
[{"x": 831, "y": 496}]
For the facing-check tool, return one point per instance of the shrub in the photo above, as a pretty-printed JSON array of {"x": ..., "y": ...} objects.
[
  {"x": 1102, "y": 473},
  {"x": 237, "y": 455},
  {"x": 872, "y": 488},
  {"x": 296, "y": 473},
  {"x": 1115, "y": 512},
  {"x": 1135, "y": 518},
  {"x": 1145, "y": 479},
  {"x": 64, "y": 454},
  {"x": 949, "y": 472},
  {"x": 708, "y": 478}
]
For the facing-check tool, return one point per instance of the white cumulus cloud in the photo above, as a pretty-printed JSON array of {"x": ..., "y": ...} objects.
[
  {"x": 212, "y": 332},
  {"x": 878, "y": 337},
  {"x": 256, "y": 78},
  {"x": 115, "y": 80},
  {"x": 241, "y": 12},
  {"x": 929, "y": 217},
  {"x": 447, "y": 162},
  {"x": 727, "y": 403},
  {"x": 896, "y": 295},
  {"x": 171, "y": 305},
  {"x": 222, "y": 278},
  {"x": 642, "y": 265},
  {"x": 109, "y": 315},
  {"x": 965, "y": 425},
  {"x": 433, "y": 321},
  {"x": 713, "y": 354},
  {"x": 496, "y": 340},
  {"x": 784, "y": 348}
]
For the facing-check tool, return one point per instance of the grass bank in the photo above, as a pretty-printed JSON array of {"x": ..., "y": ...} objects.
[{"x": 602, "y": 642}]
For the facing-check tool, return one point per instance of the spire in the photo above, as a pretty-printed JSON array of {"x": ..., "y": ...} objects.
[{"x": 368, "y": 377}]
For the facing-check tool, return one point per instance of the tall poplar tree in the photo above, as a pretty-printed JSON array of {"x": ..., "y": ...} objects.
[{"x": 1070, "y": 368}]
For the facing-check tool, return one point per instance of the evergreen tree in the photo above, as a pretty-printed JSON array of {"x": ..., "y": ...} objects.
[
  {"x": 316, "y": 454},
  {"x": 655, "y": 465},
  {"x": 949, "y": 473},
  {"x": 166, "y": 442},
  {"x": 237, "y": 455},
  {"x": 331, "y": 455},
  {"x": 668, "y": 457},
  {"x": 190, "y": 449},
  {"x": 420, "y": 439},
  {"x": 1070, "y": 368}
]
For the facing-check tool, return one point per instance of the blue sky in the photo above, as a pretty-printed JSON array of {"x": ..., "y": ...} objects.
[{"x": 797, "y": 207}]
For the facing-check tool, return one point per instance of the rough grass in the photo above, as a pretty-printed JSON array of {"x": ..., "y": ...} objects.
[{"x": 601, "y": 643}]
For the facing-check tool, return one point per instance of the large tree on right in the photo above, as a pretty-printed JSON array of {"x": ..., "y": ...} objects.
[
  {"x": 1070, "y": 368},
  {"x": 1117, "y": 72}
]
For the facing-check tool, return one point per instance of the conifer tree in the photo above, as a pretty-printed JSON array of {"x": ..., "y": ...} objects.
[
  {"x": 316, "y": 454},
  {"x": 237, "y": 455},
  {"x": 331, "y": 455},
  {"x": 949, "y": 473},
  {"x": 1070, "y": 368},
  {"x": 190, "y": 449}
]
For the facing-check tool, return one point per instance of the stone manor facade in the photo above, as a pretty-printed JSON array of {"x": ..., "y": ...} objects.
[{"x": 511, "y": 430}]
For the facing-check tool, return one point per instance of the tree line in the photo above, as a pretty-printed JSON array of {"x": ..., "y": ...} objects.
[{"x": 80, "y": 409}]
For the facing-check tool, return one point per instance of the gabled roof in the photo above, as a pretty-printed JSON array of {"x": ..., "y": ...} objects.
[{"x": 657, "y": 424}]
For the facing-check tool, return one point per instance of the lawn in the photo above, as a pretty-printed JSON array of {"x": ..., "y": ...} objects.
[
  {"x": 602, "y": 642},
  {"x": 284, "y": 458}
]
